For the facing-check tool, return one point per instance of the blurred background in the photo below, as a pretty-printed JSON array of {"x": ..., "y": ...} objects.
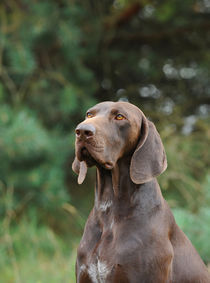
[{"x": 58, "y": 58}]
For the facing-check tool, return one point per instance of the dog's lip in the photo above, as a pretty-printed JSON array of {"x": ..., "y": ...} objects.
[
  {"x": 83, "y": 153},
  {"x": 108, "y": 165},
  {"x": 86, "y": 154}
]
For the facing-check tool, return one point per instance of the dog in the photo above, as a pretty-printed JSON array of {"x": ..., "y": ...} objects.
[{"x": 131, "y": 235}]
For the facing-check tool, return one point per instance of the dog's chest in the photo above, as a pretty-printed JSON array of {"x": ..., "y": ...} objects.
[
  {"x": 98, "y": 271},
  {"x": 102, "y": 254},
  {"x": 95, "y": 247}
]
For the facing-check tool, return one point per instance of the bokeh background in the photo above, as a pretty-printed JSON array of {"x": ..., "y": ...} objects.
[{"x": 58, "y": 58}]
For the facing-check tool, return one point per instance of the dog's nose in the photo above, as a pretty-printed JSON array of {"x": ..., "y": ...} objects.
[{"x": 85, "y": 130}]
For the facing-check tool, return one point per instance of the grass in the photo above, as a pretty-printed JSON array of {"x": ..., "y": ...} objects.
[{"x": 30, "y": 253}]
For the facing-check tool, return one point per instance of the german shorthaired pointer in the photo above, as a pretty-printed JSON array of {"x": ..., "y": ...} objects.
[{"x": 130, "y": 235}]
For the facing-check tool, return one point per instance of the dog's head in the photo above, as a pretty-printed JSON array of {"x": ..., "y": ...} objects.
[{"x": 113, "y": 130}]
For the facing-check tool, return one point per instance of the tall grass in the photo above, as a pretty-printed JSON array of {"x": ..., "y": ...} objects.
[{"x": 30, "y": 253}]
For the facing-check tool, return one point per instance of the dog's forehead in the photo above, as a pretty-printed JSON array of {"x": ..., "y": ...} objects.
[
  {"x": 103, "y": 106},
  {"x": 109, "y": 106}
]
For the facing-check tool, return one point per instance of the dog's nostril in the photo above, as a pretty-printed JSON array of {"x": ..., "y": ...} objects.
[
  {"x": 85, "y": 131},
  {"x": 88, "y": 133}
]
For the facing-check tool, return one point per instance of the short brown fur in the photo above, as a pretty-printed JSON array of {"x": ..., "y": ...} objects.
[{"x": 130, "y": 235}]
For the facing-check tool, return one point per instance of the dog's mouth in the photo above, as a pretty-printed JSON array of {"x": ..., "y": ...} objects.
[
  {"x": 84, "y": 155},
  {"x": 91, "y": 158}
]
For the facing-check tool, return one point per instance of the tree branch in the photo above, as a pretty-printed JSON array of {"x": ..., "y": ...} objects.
[
  {"x": 124, "y": 16},
  {"x": 159, "y": 36}
]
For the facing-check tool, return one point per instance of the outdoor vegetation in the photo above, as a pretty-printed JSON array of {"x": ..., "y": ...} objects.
[{"x": 58, "y": 58}]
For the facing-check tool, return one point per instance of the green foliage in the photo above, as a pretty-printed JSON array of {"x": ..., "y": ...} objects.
[
  {"x": 21, "y": 60},
  {"x": 38, "y": 102},
  {"x": 194, "y": 225},
  {"x": 57, "y": 59},
  {"x": 69, "y": 100},
  {"x": 33, "y": 253},
  {"x": 22, "y": 138},
  {"x": 183, "y": 182},
  {"x": 33, "y": 160}
]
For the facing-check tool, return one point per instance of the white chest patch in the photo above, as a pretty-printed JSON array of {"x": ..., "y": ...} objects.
[
  {"x": 82, "y": 268},
  {"x": 104, "y": 205},
  {"x": 98, "y": 272},
  {"x": 112, "y": 224}
]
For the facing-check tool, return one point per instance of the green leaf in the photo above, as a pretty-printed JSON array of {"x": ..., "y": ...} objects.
[
  {"x": 1, "y": 92},
  {"x": 69, "y": 99}
]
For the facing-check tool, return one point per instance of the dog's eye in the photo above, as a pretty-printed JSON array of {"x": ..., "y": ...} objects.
[
  {"x": 89, "y": 115},
  {"x": 119, "y": 117}
]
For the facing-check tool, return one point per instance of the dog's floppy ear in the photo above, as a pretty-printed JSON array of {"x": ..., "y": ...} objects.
[
  {"x": 149, "y": 158},
  {"x": 79, "y": 168}
]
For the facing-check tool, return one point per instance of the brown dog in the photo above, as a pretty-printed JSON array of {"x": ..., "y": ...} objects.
[{"x": 130, "y": 235}]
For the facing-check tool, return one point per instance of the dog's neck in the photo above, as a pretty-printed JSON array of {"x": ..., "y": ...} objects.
[{"x": 116, "y": 192}]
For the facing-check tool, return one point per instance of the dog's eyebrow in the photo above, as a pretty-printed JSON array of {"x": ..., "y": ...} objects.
[
  {"x": 116, "y": 111},
  {"x": 92, "y": 110}
]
